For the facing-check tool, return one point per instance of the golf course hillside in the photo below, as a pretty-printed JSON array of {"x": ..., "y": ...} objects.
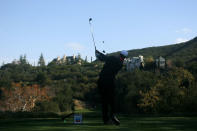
[
  {"x": 61, "y": 85},
  {"x": 184, "y": 52}
]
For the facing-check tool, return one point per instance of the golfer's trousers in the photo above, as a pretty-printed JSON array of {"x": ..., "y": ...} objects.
[{"x": 107, "y": 98}]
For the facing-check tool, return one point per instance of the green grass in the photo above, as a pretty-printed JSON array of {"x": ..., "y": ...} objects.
[{"x": 92, "y": 122}]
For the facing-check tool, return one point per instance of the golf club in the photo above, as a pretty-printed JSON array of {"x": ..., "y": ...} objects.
[
  {"x": 91, "y": 29},
  {"x": 103, "y": 43}
]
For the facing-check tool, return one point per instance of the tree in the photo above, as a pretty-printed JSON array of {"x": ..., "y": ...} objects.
[
  {"x": 150, "y": 64},
  {"x": 42, "y": 78},
  {"x": 64, "y": 99},
  {"x": 41, "y": 61},
  {"x": 86, "y": 59},
  {"x": 23, "y": 60},
  {"x": 149, "y": 100}
]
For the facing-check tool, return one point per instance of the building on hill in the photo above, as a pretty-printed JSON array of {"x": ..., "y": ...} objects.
[
  {"x": 67, "y": 60},
  {"x": 160, "y": 62},
  {"x": 71, "y": 59},
  {"x": 64, "y": 59},
  {"x": 16, "y": 62},
  {"x": 134, "y": 62}
]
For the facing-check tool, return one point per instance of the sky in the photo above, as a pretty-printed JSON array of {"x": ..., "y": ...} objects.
[{"x": 60, "y": 27}]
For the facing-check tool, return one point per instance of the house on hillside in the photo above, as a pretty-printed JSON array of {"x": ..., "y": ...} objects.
[
  {"x": 16, "y": 62},
  {"x": 68, "y": 60},
  {"x": 160, "y": 62},
  {"x": 73, "y": 59},
  {"x": 134, "y": 62},
  {"x": 64, "y": 59}
]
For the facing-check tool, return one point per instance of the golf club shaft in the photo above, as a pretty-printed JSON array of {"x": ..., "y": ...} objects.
[{"x": 91, "y": 29}]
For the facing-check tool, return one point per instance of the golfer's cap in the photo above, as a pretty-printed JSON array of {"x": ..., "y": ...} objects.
[{"x": 124, "y": 53}]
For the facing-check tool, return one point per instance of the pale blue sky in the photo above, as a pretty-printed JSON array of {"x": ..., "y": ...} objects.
[{"x": 58, "y": 27}]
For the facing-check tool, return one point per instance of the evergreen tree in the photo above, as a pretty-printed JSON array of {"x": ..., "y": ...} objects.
[
  {"x": 86, "y": 59},
  {"x": 41, "y": 61},
  {"x": 23, "y": 60}
]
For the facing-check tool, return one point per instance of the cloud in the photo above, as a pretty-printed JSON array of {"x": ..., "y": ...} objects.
[
  {"x": 184, "y": 31},
  {"x": 180, "y": 40},
  {"x": 75, "y": 46}
]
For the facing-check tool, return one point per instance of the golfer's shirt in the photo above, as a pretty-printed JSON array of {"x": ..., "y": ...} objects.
[{"x": 111, "y": 67}]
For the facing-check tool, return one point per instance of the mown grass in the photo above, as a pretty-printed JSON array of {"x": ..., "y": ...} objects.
[{"x": 92, "y": 122}]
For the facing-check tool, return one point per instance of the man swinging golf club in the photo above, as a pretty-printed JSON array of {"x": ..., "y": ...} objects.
[
  {"x": 106, "y": 81},
  {"x": 106, "y": 84}
]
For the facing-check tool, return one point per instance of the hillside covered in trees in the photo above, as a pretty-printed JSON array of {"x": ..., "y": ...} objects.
[{"x": 55, "y": 87}]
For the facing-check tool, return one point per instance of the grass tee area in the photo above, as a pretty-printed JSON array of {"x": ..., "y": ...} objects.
[{"x": 92, "y": 122}]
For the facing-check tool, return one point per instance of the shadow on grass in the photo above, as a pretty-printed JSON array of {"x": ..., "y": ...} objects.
[
  {"x": 92, "y": 121},
  {"x": 50, "y": 125}
]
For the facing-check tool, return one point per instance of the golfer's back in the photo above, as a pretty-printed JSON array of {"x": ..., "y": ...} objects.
[{"x": 111, "y": 67}]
